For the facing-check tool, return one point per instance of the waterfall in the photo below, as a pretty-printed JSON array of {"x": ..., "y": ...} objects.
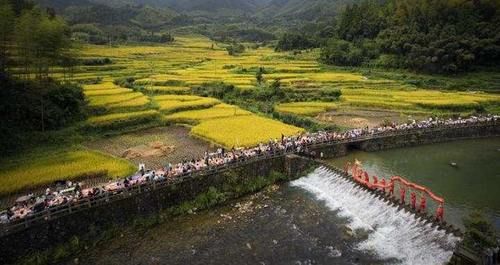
[{"x": 392, "y": 233}]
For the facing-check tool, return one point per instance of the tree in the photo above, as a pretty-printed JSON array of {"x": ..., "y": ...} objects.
[
  {"x": 340, "y": 52},
  {"x": 259, "y": 75},
  {"x": 479, "y": 232},
  {"x": 359, "y": 21},
  {"x": 42, "y": 41},
  {"x": 235, "y": 49},
  {"x": 6, "y": 28},
  {"x": 436, "y": 36},
  {"x": 276, "y": 90},
  {"x": 291, "y": 41}
]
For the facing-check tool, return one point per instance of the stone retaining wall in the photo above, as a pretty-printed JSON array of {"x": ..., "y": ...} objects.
[{"x": 122, "y": 211}]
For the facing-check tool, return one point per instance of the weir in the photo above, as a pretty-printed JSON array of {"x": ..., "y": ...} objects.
[{"x": 394, "y": 232}]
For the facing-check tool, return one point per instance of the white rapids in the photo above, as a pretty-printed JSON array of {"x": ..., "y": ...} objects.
[{"x": 392, "y": 233}]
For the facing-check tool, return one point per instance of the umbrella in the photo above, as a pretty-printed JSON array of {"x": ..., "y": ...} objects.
[{"x": 24, "y": 198}]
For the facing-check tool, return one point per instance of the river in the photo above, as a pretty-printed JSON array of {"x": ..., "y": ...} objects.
[
  {"x": 473, "y": 184},
  {"x": 322, "y": 219}
]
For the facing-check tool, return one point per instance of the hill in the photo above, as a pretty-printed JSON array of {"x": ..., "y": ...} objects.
[{"x": 310, "y": 10}]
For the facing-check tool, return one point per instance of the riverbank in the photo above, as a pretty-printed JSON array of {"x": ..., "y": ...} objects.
[
  {"x": 279, "y": 225},
  {"x": 228, "y": 186},
  {"x": 471, "y": 185}
]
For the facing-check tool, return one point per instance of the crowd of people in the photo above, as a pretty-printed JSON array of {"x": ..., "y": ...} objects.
[
  {"x": 74, "y": 192},
  {"x": 491, "y": 256}
]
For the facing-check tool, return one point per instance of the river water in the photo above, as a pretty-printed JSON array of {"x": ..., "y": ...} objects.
[
  {"x": 473, "y": 184},
  {"x": 323, "y": 219}
]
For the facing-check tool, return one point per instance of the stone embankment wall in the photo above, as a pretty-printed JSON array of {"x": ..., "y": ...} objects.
[{"x": 123, "y": 209}]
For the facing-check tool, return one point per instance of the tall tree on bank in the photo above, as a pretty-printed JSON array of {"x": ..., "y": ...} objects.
[
  {"x": 42, "y": 40},
  {"x": 7, "y": 17}
]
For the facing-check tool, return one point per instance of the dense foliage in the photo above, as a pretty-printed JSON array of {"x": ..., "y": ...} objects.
[
  {"x": 33, "y": 42},
  {"x": 479, "y": 232},
  {"x": 290, "y": 41},
  {"x": 27, "y": 106},
  {"x": 430, "y": 36},
  {"x": 32, "y": 39},
  {"x": 235, "y": 49}
]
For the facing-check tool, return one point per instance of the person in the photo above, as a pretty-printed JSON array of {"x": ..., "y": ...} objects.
[
  {"x": 489, "y": 256},
  {"x": 4, "y": 218},
  {"x": 142, "y": 169},
  {"x": 496, "y": 253},
  {"x": 498, "y": 250}
]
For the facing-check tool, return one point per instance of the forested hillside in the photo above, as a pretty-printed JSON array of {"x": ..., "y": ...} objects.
[
  {"x": 431, "y": 36},
  {"x": 426, "y": 36},
  {"x": 222, "y": 19}
]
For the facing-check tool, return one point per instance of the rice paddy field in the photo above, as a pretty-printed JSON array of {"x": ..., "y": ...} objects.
[
  {"x": 45, "y": 167},
  {"x": 194, "y": 60},
  {"x": 161, "y": 95},
  {"x": 243, "y": 131},
  {"x": 305, "y": 108}
]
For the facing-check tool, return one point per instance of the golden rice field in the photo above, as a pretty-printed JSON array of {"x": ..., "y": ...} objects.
[
  {"x": 215, "y": 112},
  {"x": 182, "y": 98},
  {"x": 121, "y": 119},
  {"x": 110, "y": 96},
  {"x": 224, "y": 124},
  {"x": 165, "y": 75},
  {"x": 305, "y": 108},
  {"x": 167, "y": 89},
  {"x": 191, "y": 61},
  {"x": 174, "y": 103},
  {"x": 243, "y": 131},
  {"x": 418, "y": 99},
  {"x": 48, "y": 166}
]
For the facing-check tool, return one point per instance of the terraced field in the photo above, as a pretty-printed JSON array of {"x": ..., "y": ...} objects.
[
  {"x": 166, "y": 73},
  {"x": 163, "y": 75},
  {"x": 231, "y": 126},
  {"x": 243, "y": 131},
  {"x": 306, "y": 108},
  {"x": 193, "y": 60}
]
